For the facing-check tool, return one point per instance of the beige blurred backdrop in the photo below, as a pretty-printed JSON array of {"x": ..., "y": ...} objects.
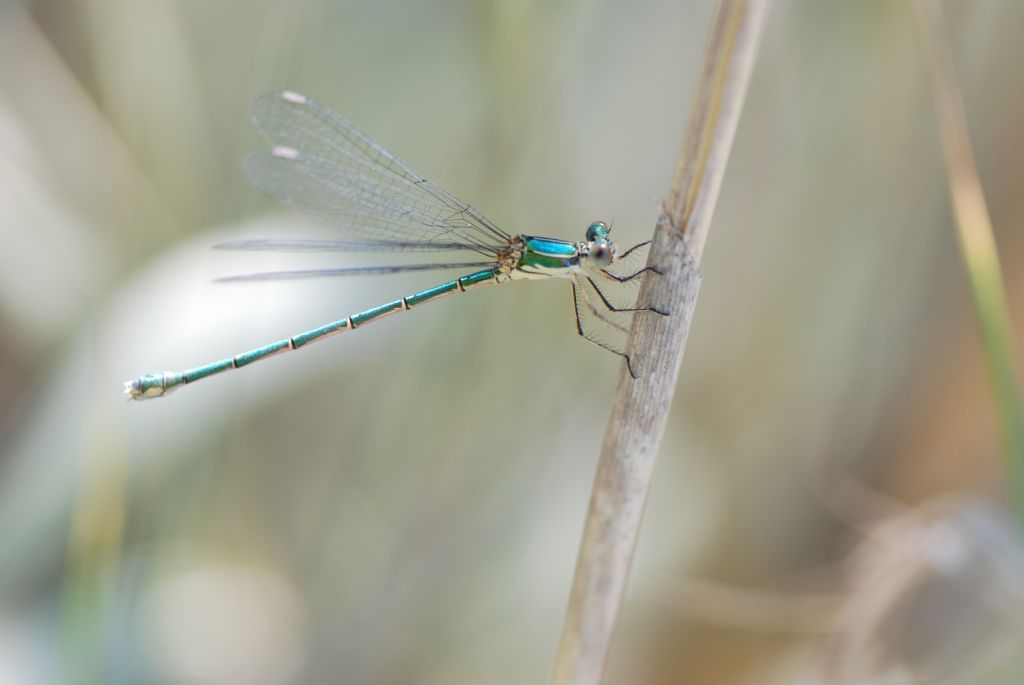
[{"x": 404, "y": 505}]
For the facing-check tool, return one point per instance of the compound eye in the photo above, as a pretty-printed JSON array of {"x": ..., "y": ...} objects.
[
  {"x": 597, "y": 231},
  {"x": 601, "y": 253}
]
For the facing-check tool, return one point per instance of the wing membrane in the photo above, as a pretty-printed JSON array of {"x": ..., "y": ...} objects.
[
  {"x": 325, "y": 168},
  {"x": 278, "y": 245},
  {"x": 347, "y": 271},
  {"x": 597, "y": 323}
]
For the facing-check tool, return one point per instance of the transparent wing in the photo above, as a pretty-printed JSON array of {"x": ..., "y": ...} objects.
[
  {"x": 347, "y": 271},
  {"x": 596, "y": 322},
  {"x": 323, "y": 167},
  {"x": 277, "y": 245}
]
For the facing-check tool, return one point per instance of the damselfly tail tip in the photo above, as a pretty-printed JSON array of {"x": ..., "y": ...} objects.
[
  {"x": 131, "y": 389},
  {"x": 151, "y": 385}
]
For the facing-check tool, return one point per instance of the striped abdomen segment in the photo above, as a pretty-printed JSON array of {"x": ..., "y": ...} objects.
[{"x": 159, "y": 384}]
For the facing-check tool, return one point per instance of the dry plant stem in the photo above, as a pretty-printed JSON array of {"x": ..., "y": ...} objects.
[
  {"x": 977, "y": 244},
  {"x": 656, "y": 345}
]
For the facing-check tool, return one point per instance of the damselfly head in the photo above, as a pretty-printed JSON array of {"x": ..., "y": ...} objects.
[{"x": 600, "y": 249}]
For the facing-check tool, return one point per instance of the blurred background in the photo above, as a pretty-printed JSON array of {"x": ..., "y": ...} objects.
[{"x": 404, "y": 505}]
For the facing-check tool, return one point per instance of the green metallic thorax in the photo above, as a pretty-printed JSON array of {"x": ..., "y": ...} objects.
[{"x": 546, "y": 258}]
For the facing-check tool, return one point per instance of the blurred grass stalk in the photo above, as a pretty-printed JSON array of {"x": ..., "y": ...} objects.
[
  {"x": 656, "y": 346},
  {"x": 93, "y": 564},
  {"x": 977, "y": 244}
]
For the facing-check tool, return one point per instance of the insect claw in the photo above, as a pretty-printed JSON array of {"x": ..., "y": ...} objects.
[{"x": 629, "y": 367}]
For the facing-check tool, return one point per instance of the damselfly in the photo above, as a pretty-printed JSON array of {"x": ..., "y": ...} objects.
[{"x": 321, "y": 166}]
